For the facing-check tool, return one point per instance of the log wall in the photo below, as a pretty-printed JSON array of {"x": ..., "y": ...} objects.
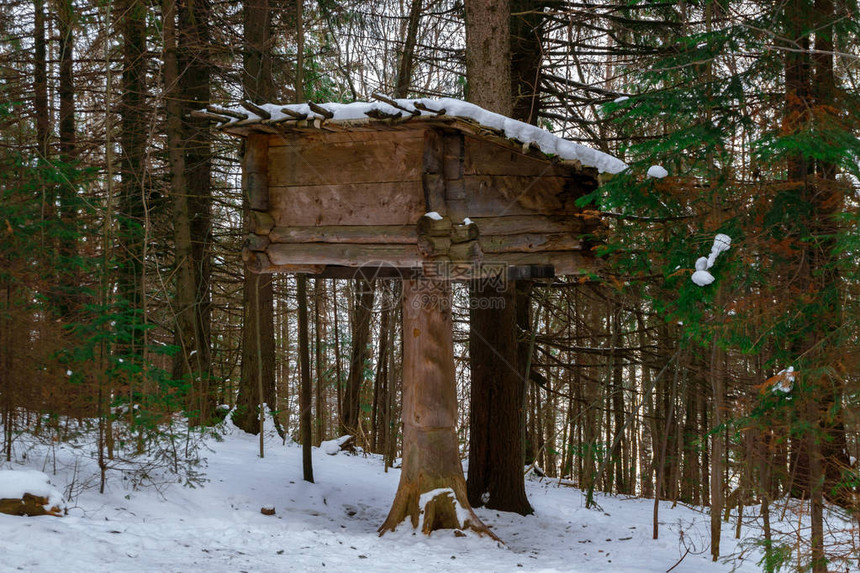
[{"x": 351, "y": 198}]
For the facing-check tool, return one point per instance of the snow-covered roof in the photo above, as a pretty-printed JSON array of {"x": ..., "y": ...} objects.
[{"x": 234, "y": 119}]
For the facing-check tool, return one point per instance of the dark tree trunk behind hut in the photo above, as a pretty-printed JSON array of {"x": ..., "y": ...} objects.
[
  {"x": 306, "y": 390},
  {"x": 498, "y": 390},
  {"x": 258, "y": 360}
]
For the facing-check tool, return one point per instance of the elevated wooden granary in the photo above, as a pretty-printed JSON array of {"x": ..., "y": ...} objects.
[
  {"x": 431, "y": 191},
  {"x": 406, "y": 183}
]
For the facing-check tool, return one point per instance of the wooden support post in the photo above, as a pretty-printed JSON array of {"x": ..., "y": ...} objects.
[
  {"x": 432, "y": 490},
  {"x": 255, "y": 170}
]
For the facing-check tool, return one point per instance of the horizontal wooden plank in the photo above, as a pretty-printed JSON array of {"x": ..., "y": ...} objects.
[
  {"x": 348, "y": 255},
  {"x": 354, "y": 135},
  {"x": 540, "y": 195},
  {"x": 361, "y": 234},
  {"x": 505, "y": 196},
  {"x": 354, "y": 204},
  {"x": 487, "y": 158},
  {"x": 486, "y": 205},
  {"x": 564, "y": 263},
  {"x": 388, "y": 157},
  {"x": 518, "y": 224},
  {"x": 530, "y": 243}
]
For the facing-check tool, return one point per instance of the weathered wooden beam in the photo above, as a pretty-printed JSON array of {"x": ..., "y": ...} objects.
[
  {"x": 376, "y": 157},
  {"x": 464, "y": 232},
  {"x": 393, "y": 103},
  {"x": 433, "y": 247},
  {"x": 392, "y": 203},
  {"x": 257, "y": 262},
  {"x": 256, "y": 190},
  {"x": 434, "y": 151},
  {"x": 256, "y": 242},
  {"x": 228, "y": 112},
  {"x": 256, "y": 158},
  {"x": 280, "y": 120},
  {"x": 469, "y": 251},
  {"x": 422, "y": 107},
  {"x": 293, "y": 114},
  {"x": 255, "y": 171},
  {"x": 260, "y": 222},
  {"x": 433, "y": 185},
  {"x": 434, "y": 226},
  {"x": 318, "y": 109},
  {"x": 433, "y": 178},
  {"x": 252, "y": 107},
  {"x": 530, "y": 243},
  {"x": 518, "y": 224},
  {"x": 343, "y": 254},
  {"x": 453, "y": 157},
  {"x": 498, "y": 156},
  {"x": 379, "y": 114},
  {"x": 210, "y": 116},
  {"x": 361, "y": 234}
]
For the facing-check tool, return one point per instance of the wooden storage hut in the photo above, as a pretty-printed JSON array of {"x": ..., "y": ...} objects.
[
  {"x": 431, "y": 191},
  {"x": 333, "y": 187}
]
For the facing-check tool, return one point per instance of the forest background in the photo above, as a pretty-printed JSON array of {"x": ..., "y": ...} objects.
[{"x": 126, "y": 313}]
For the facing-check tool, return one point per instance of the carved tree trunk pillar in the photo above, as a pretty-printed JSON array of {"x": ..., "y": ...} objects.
[{"x": 432, "y": 490}]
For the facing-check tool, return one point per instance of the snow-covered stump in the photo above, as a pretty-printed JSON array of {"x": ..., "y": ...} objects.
[
  {"x": 30, "y": 493},
  {"x": 432, "y": 489}
]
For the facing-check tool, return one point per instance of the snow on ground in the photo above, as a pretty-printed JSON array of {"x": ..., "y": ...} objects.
[{"x": 331, "y": 525}]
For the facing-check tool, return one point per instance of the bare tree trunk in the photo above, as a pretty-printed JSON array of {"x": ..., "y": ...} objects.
[
  {"x": 189, "y": 50},
  {"x": 68, "y": 296},
  {"x": 321, "y": 378},
  {"x": 338, "y": 376},
  {"x": 497, "y": 397},
  {"x": 258, "y": 360},
  {"x": 40, "y": 81},
  {"x": 488, "y": 49},
  {"x": 498, "y": 388},
  {"x": 187, "y": 327},
  {"x": 364, "y": 294},
  {"x": 526, "y": 55},
  {"x": 432, "y": 490},
  {"x": 404, "y": 68},
  {"x": 306, "y": 391},
  {"x": 380, "y": 380},
  {"x": 718, "y": 452},
  {"x": 133, "y": 186}
]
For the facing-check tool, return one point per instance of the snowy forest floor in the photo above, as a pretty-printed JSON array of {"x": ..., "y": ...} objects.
[{"x": 331, "y": 525}]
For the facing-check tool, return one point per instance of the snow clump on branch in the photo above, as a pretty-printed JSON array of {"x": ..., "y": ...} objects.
[{"x": 702, "y": 277}]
